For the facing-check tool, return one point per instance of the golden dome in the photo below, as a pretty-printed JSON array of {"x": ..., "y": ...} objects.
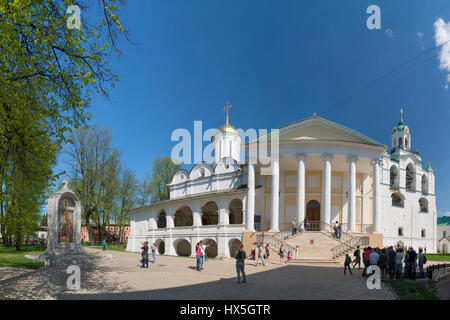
[{"x": 228, "y": 128}]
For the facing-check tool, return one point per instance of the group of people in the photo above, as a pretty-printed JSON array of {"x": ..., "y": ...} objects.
[
  {"x": 337, "y": 227},
  {"x": 397, "y": 263},
  {"x": 144, "y": 254},
  {"x": 200, "y": 251},
  {"x": 263, "y": 252},
  {"x": 298, "y": 227}
]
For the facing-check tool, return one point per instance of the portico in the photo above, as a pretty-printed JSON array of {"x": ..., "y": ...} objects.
[{"x": 328, "y": 177}]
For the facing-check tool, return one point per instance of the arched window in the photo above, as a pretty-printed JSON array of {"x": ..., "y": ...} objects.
[
  {"x": 400, "y": 142},
  {"x": 183, "y": 217},
  {"x": 406, "y": 143},
  {"x": 235, "y": 212},
  {"x": 410, "y": 178},
  {"x": 423, "y": 233},
  {"x": 398, "y": 200},
  {"x": 423, "y": 204},
  {"x": 210, "y": 214},
  {"x": 161, "y": 223},
  {"x": 394, "y": 177},
  {"x": 424, "y": 184}
]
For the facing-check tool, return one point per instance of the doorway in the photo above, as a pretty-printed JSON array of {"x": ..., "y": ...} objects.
[{"x": 313, "y": 215}]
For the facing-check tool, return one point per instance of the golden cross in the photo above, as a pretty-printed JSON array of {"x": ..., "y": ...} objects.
[
  {"x": 401, "y": 114},
  {"x": 315, "y": 114},
  {"x": 226, "y": 108}
]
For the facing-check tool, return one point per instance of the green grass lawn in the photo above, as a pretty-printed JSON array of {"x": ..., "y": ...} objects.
[
  {"x": 9, "y": 257},
  {"x": 438, "y": 256},
  {"x": 407, "y": 290},
  {"x": 111, "y": 247}
]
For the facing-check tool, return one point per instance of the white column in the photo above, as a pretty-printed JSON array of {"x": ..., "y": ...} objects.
[
  {"x": 251, "y": 198},
  {"x": 326, "y": 189},
  {"x": 301, "y": 187},
  {"x": 196, "y": 214},
  {"x": 376, "y": 196},
  {"x": 275, "y": 196},
  {"x": 352, "y": 193}
]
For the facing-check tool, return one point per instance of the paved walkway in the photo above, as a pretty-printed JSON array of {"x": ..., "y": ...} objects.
[{"x": 177, "y": 278}]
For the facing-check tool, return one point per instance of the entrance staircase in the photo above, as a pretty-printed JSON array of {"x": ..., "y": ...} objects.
[{"x": 317, "y": 246}]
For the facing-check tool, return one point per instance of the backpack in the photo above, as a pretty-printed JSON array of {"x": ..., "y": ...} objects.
[
  {"x": 424, "y": 259},
  {"x": 355, "y": 254}
]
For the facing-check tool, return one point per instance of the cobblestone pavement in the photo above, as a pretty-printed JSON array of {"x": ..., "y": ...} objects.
[{"x": 177, "y": 278}]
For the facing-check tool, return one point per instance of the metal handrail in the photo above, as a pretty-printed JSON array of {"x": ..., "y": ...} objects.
[{"x": 349, "y": 244}]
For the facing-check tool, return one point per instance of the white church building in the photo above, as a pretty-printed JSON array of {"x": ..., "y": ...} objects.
[{"x": 325, "y": 172}]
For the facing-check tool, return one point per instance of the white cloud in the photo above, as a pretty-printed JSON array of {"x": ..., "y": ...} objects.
[
  {"x": 444, "y": 214},
  {"x": 389, "y": 32},
  {"x": 442, "y": 37}
]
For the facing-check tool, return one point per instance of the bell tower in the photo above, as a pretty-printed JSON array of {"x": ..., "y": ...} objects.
[
  {"x": 401, "y": 136},
  {"x": 227, "y": 142}
]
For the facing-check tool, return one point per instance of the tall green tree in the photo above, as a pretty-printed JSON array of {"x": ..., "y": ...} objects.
[
  {"x": 162, "y": 173},
  {"x": 94, "y": 163},
  {"x": 48, "y": 74}
]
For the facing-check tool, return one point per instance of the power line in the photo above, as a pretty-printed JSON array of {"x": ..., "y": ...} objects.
[{"x": 388, "y": 74}]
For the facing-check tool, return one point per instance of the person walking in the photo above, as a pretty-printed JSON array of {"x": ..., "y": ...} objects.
[
  {"x": 398, "y": 263},
  {"x": 347, "y": 263},
  {"x": 374, "y": 257},
  {"x": 198, "y": 252},
  {"x": 412, "y": 257},
  {"x": 391, "y": 262},
  {"x": 296, "y": 251},
  {"x": 240, "y": 264},
  {"x": 294, "y": 226},
  {"x": 282, "y": 254},
  {"x": 305, "y": 224},
  {"x": 357, "y": 255},
  {"x": 259, "y": 253},
  {"x": 104, "y": 244},
  {"x": 203, "y": 252},
  {"x": 267, "y": 254},
  {"x": 422, "y": 261},
  {"x": 154, "y": 252},
  {"x": 144, "y": 254},
  {"x": 365, "y": 256},
  {"x": 335, "y": 228},
  {"x": 383, "y": 263}
]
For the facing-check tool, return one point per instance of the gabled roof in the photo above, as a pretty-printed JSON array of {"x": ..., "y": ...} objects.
[{"x": 316, "y": 128}]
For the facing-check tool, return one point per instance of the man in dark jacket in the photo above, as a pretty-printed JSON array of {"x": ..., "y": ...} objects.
[{"x": 391, "y": 256}]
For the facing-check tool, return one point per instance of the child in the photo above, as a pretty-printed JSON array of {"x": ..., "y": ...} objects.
[
  {"x": 347, "y": 262},
  {"x": 289, "y": 256}
]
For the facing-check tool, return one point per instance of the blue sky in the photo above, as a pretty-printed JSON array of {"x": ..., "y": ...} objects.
[{"x": 277, "y": 62}]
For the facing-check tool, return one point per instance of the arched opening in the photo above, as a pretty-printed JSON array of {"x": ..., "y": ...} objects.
[
  {"x": 400, "y": 142},
  {"x": 394, "y": 177},
  {"x": 424, "y": 184},
  {"x": 406, "y": 143},
  {"x": 182, "y": 247},
  {"x": 444, "y": 248},
  {"x": 210, "y": 215},
  {"x": 183, "y": 217},
  {"x": 410, "y": 178},
  {"x": 161, "y": 223},
  {"x": 161, "y": 246},
  {"x": 398, "y": 200},
  {"x": 233, "y": 245},
  {"x": 313, "y": 215},
  {"x": 423, "y": 204},
  {"x": 423, "y": 233},
  {"x": 235, "y": 212},
  {"x": 211, "y": 249}
]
